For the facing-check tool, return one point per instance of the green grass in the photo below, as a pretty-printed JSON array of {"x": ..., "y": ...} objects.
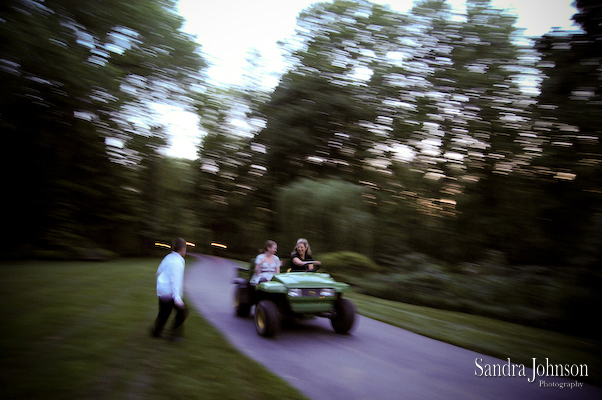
[
  {"x": 80, "y": 331},
  {"x": 487, "y": 336}
]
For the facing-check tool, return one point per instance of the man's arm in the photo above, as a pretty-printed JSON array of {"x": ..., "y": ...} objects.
[{"x": 177, "y": 280}]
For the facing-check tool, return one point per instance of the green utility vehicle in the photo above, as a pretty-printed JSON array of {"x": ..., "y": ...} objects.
[{"x": 293, "y": 295}]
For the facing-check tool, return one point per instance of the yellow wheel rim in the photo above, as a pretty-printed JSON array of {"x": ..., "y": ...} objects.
[{"x": 260, "y": 320}]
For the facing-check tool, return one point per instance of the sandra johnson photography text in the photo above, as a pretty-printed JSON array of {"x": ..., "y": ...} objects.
[{"x": 538, "y": 369}]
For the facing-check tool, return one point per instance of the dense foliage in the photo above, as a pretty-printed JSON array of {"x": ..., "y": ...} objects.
[{"x": 74, "y": 76}]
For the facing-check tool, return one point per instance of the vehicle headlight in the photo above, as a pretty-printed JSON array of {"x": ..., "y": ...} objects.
[
  {"x": 295, "y": 292},
  {"x": 326, "y": 292}
]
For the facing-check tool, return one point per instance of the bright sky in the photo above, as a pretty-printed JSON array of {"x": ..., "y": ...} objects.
[{"x": 228, "y": 29}]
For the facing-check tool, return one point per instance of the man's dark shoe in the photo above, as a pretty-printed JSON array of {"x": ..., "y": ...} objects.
[{"x": 152, "y": 332}]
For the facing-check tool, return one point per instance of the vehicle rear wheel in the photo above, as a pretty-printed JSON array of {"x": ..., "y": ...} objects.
[
  {"x": 267, "y": 318},
  {"x": 241, "y": 305},
  {"x": 344, "y": 316}
]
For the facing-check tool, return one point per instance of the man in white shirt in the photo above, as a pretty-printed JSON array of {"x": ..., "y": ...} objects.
[{"x": 170, "y": 278}]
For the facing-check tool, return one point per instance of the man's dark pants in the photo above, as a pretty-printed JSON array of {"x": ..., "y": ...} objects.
[{"x": 166, "y": 304}]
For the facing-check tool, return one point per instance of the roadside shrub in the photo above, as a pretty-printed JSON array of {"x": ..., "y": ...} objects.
[
  {"x": 555, "y": 298},
  {"x": 349, "y": 266},
  {"x": 429, "y": 286},
  {"x": 531, "y": 295}
]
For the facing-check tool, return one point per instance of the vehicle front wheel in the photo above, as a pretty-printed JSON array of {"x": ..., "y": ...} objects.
[
  {"x": 344, "y": 316},
  {"x": 267, "y": 318}
]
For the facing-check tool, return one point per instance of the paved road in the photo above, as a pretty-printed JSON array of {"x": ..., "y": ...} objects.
[{"x": 376, "y": 361}]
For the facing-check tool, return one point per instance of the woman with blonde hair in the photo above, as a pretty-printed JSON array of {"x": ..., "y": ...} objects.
[{"x": 301, "y": 255}]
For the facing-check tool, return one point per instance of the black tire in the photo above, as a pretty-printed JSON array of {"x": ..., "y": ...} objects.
[
  {"x": 267, "y": 318},
  {"x": 344, "y": 316},
  {"x": 242, "y": 307}
]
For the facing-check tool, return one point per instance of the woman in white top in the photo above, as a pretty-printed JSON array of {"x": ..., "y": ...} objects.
[{"x": 267, "y": 264}]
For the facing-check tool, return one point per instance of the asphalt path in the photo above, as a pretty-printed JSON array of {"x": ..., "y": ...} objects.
[{"x": 375, "y": 361}]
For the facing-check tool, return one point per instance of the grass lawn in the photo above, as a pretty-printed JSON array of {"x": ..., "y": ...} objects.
[
  {"x": 487, "y": 336},
  {"x": 80, "y": 331}
]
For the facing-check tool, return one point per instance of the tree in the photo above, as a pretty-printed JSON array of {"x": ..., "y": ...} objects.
[
  {"x": 322, "y": 118},
  {"x": 314, "y": 129},
  {"x": 332, "y": 214},
  {"x": 367, "y": 81},
  {"x": 449, "y": 92},
  {"x": 474, "y": 113},
  {"x": 224, "y": 175},
  {"x": 69, "y": 69},
  {"x": 567, "y": 121}
]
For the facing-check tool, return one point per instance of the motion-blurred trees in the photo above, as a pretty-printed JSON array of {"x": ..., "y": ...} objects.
[
  {"x": 72, "y": 75},
  {"x": 368, "y": 84},
  {"x": 471, "y": 114},
  {"x": 224, "y": 176},
  {"x": 320, "y": 120},
  {"x": 432, "y": 114},
  {"x": 417, "y": 127},
  {"x": 567, "y": 121},
  {"x": 331, "y": 214}
]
